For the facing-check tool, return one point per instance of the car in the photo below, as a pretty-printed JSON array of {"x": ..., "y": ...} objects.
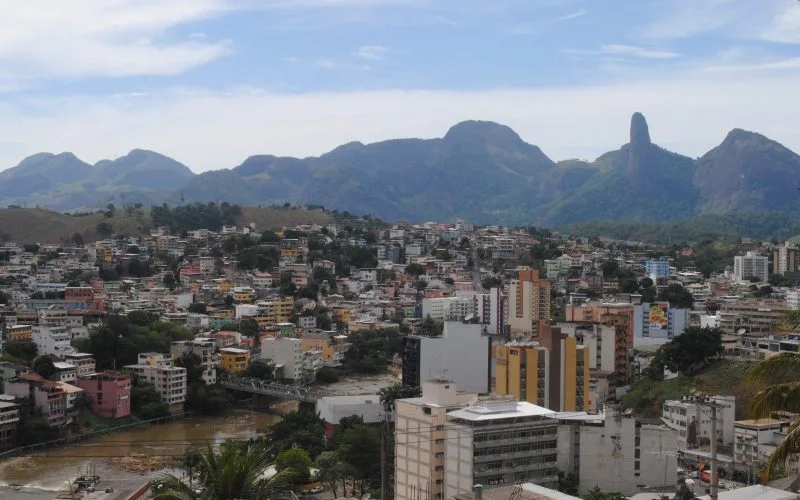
[{"x": 317, "y": 489}]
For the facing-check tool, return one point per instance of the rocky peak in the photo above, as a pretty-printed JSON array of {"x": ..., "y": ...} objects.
[{"x": 640, "y": 134}]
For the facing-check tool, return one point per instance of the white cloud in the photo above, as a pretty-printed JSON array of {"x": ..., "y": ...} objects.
[
  {"x": 624, "y": 50},
  {"x": 373, "y": 52},
  {"x": 785, "y": 26},
  {"x": 573, "y": 15},
  {"x": 791, "y": 63},
  {"x": 44, "y": 39},
  {"x": 689, "y": 116}
]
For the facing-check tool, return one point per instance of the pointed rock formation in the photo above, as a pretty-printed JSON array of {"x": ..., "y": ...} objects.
[{"x": 639, "y": 148}]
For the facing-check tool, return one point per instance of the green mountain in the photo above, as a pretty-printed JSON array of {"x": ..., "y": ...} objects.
[
  {"x": 481, "y": 171},
  {"x": 63, "y": 182}
]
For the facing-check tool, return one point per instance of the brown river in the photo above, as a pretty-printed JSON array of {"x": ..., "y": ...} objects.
[{"x": 44, "y": 473}]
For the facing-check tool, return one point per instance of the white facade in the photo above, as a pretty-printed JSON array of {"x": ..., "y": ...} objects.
[
  {"x": 332, "y": 409},
  {"x": 751, "y": 265},
  {"x": 793, "y": 299},
  {"x": 622, "y": 454},
  {"x": 693, "y": 422},
  {"x": 709, "y": 321},
  {"x": 203, "y": 349},
  {"x": 52, "y": 340},
  {"x": 420, "y": 439},
  {"x": 287, "y": 353},
  {"x": 157, "y": 370},
  {"x": 461, "y": 354},
  {"x": 451, "y": 308},
  {"x": 497, "y": 443},
  {"x": 84, "y": 363}
]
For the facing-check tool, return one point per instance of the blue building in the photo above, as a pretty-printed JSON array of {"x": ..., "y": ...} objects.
[{"x": 656, "y": 268}]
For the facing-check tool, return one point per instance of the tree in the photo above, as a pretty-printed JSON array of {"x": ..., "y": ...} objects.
[
  {"x": 249, "y": 327},
  {"x": 236, "y": 472},
  {"x": 397, "y": 391},
  {"x": 260, "y": 370},
  {"x": 298, "y": 430},
  {"x": 298, "y": 462},
  {"x": 332, "y": 472},
  {"x": 327, "y": 375},
  {"x": 677, "y": 296},
  {"x": 24, "y": 351},
  {"x": 197, "y": 308},
  {"x": 783, "y": 395},
  {"x": 692, "y": 350},
  {"x": 490, "y": 282},
  {"x": 360, "y": 449},
  {"x": 104, "y": 229},
  {"x": 415, "y": 270},
  {"x": 229, "y": 301},
  {"x": 270, "y": 237},
  {"x": 77, "y": 239},
  {"x": 597, "y": 494},
  {"x": 44, "y": 366},
  {"x": 684, "y": 493}
]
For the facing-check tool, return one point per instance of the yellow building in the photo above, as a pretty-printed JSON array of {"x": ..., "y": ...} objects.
[
  {"x": 21, "y": 333},
  {"x": 291, "y": 252},
  {"x": 272, "y": 312},
  {"x": 234, "y": 360},
  {"x": 529, "y": 372},
  {"x": 342, "y": 314},
  {"x": 523, "y": 371},
  {"x": 244, "y": 295},
  {"x": 528, "y": 302}
]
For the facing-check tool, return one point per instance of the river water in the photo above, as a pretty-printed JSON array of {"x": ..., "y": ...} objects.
[{"x": 45, "y": 472}]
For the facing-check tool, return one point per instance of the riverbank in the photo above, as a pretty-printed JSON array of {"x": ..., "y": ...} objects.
[{"x": 43, "y": 473}]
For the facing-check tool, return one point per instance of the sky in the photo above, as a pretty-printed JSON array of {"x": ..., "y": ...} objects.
[{"x": 211, "y": 82}]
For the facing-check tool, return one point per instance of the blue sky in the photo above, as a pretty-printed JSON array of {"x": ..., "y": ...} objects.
[{"x": 210, "y": 82}]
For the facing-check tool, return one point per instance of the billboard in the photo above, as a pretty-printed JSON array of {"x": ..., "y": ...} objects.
[{"x": 658, "y": 317}]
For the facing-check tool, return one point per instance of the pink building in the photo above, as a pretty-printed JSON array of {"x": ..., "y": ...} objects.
[
  {"x": 46, "y": 396},
  {"x": 110, "y": 393}
]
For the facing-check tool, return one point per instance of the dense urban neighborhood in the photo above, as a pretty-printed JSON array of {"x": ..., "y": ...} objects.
[{"x": 507, "y": 355}]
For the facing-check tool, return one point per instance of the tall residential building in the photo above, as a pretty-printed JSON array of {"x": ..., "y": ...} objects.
[
  {"x": 793, "y": 299},
  {"x": 656, "y": 269},
  {"x": 658, "y": 322},
  {"x": 501, "y": 442},
  {"x": 56, "y": 340},
  {"x": 785, "y": 259},
  {"x": 9, "y": 421},
  {"x": 205, "y": 350},
  {"x": 522, "y": 370},
  {"x": 447, "y": 308},
  {"x": 291, "y": 362},
  {"x": 621, "y": 454},
  {"x": 461, "y": 354},
  {"x": 419, "y": 441},
  {"x": 157, "y": 370},
  {"x": 49, "y": 399},
  {"x": 528, "y": 302},
  {"x": 751, "y": 265}
]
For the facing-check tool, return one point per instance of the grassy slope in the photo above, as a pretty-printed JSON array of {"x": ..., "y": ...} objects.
[
  {"x": 33, "y": 225},
  {"x": 725, "y": 378}
]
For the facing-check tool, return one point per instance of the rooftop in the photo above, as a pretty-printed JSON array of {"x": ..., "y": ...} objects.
[
  {"x": 496, "y": 410},
  {"x": 233, "y": 350},
  {"x": 763, "y": 422}
]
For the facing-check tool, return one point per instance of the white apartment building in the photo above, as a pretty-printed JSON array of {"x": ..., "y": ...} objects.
[
  {"x": 751, "y": 265},
  {"x": 262, "y": 281},
  {"x": 793, "y": 299},
  {"x": 755, "y": 441},
  {"x": 65, "y": 372},
  {"x": 158, "y": 371},
  {"x": 621, "y": 454},
  {"x": 419, "y": 443},
  {"x": 500, "y": 442},
  {"x": 657, "y": 323},
  {"x": 447, "y": 308},
  {"x": 84, "y": 363},
  {"x": 461, "y": 354},
  {"x": 204, "y": 349},
  {"x": 693, "y": 422},
  {"x": 289, "y": 357},
  {"x": 54, "y": 340}
]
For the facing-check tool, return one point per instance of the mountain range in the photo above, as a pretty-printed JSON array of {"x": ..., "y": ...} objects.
[{"x": 480, "y": 171}]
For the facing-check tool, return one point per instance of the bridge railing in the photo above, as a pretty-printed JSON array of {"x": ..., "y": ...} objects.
[{"x": 258, "y": 386}]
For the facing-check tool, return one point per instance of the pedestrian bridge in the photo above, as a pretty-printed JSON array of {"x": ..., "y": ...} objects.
[{"x": 275, "y": 390}]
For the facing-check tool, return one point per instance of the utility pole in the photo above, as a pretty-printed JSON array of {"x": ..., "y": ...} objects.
[{"x": 713, "y": 405}]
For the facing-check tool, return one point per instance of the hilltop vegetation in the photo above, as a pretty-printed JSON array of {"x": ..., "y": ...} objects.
[
  {"x": 724, "y": 377},
  {"x": 28, "y": 225}
]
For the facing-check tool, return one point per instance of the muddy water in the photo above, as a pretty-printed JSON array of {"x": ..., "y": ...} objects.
[{"x": 50, "y": 469}]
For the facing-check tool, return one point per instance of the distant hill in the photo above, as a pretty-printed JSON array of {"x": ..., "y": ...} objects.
[
  {"x": 33, "y": 225},
  {"x": 481, "y": 171}
]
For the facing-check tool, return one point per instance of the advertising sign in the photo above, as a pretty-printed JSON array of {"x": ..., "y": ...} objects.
[{"x": 659, "y": 316}]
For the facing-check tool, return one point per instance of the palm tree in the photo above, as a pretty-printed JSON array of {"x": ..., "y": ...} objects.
[
  {"x": 781, "y": 373},
  {"x": 236, "y": 472}
]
